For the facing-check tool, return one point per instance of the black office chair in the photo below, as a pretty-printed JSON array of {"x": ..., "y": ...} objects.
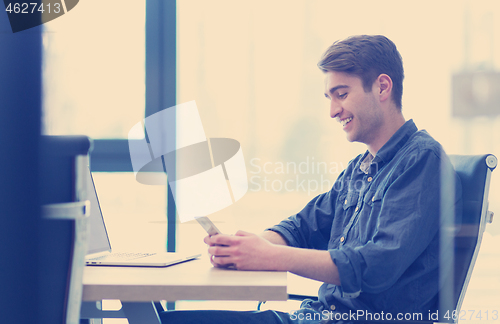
[
  {"x": 63, "y": 161},
  {"x": 474, "y": 172}
]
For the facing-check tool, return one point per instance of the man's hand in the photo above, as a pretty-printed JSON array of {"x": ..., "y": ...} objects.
[{"x": 243, "y": 251}]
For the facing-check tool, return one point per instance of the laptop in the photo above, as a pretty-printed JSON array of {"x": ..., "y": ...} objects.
[{"x": 99, "y": 248}]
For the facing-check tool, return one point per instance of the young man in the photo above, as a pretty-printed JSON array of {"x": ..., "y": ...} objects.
[{"x": 373, "y": 239}]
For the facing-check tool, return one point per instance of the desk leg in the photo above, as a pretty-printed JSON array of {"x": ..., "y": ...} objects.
[{"x": 141, "y": 313}]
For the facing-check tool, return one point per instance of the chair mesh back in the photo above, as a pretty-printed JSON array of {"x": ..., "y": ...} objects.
[{"x": 472, "y": 171}]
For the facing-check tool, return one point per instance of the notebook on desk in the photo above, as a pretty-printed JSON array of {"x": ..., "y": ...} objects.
[{"x": 99, "y": 248}]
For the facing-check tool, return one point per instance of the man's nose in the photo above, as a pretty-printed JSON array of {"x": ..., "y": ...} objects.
[{"x": 335, "y": 109}]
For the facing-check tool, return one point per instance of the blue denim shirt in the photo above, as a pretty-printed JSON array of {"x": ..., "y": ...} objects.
[{"x": 380, "y": 223}]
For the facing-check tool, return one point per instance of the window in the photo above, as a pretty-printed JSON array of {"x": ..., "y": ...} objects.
[
  {"x": 94, "y": 74},
  {"x": 94, "y": 84}
]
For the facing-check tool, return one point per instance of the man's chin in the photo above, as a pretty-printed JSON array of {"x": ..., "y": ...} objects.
[
  {"x": 354, "y": 139},
  {"x": 350, "y": 137}
]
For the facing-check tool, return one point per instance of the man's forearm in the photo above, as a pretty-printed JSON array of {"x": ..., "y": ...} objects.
[
  {"x": 313, "y": 264},
  {"x": 273, "y": 237}
]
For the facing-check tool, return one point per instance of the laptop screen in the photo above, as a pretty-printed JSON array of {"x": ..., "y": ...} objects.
[{"x": 98, "y": 239}]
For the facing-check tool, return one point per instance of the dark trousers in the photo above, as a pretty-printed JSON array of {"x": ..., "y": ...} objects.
[
  {"x": 305, "y": 315},
  {"x": 224, "y": 317}
]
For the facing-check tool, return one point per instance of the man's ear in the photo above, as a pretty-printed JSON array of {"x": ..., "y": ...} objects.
[{"x": 384, "y": 83}]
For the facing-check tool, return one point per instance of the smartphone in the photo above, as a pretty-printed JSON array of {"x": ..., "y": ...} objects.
[{"x": 207, "y": 224}]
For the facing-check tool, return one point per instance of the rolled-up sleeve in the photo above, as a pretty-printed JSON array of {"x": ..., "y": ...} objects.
[
  {"x": 404, "y": 215},
  {"x": 310, "y": 228}
]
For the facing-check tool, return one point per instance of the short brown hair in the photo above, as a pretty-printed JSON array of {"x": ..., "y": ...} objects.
[{"x": 367, "y": 56}]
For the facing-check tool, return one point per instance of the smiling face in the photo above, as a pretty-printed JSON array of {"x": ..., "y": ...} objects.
[{"x": 359, "y": 112}]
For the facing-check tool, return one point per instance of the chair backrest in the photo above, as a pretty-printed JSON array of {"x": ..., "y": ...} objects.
[
  {"x": 63, "y": 174},
  {"x": 474, "y": 172}
]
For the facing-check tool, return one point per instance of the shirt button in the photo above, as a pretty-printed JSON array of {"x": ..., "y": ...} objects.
[
  {"x": 356, "y": 209},
  {"x": 369, "y": 179},
  {"x": 342, "y": 239},
  {"x": 332, "y": 307}
]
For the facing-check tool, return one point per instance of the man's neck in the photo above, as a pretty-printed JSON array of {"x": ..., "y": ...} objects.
[{"x": 390, "y": 128}]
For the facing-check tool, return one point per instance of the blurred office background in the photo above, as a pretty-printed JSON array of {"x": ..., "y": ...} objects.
[{"x": 251, "y": 67}]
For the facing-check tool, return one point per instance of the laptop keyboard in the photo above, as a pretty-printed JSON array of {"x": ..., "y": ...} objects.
[{"x": 121, "y": 256}]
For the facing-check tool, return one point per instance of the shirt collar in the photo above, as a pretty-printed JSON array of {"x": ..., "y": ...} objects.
[
  {"x": 365, "y": 162},
  {"x": 396, "y": 142}
]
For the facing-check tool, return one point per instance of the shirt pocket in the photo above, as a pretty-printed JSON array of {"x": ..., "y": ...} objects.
[
  {"x": 350, "y": 200},
  {"x": 374, "y": 197},
  {"x": 369, "y": 218}
]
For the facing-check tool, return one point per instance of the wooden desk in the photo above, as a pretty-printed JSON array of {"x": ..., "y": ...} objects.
[{"x": 193, "y": 280}]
